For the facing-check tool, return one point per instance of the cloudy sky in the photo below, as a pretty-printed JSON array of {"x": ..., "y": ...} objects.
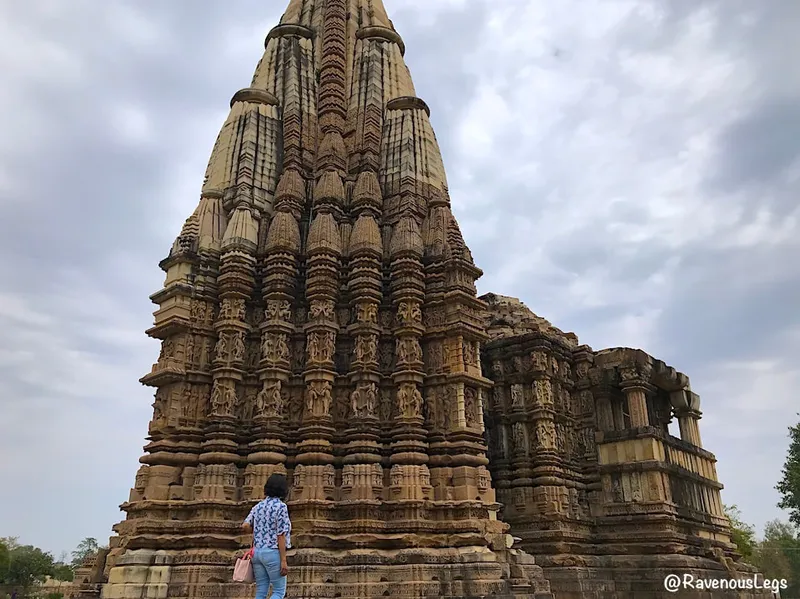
[{"x": 628, "y": 168}]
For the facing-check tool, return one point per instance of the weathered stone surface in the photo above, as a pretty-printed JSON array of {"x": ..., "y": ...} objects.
[{"x": 319, "y": 318}]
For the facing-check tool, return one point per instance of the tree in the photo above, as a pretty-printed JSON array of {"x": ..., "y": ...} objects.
[
  {"x": 5, "y": 557},
  {"x": 85, "y": 548},
  {"x": 26, "y": 565},
  {"x": 789, "y": 486},
  {"x": 743, "y": 535},
  {"x": 778, "y": 555}
]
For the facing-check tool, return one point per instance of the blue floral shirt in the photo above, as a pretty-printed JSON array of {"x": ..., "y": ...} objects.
[{"x": 270, "y": 519}]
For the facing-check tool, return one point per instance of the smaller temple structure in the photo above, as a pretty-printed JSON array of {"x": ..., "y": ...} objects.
[{"x": 581, "y": 454}]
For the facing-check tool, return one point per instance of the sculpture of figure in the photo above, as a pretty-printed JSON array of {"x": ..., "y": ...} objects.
[
  {"x": 221, "y": 348},
  {"x": 270, "y": 399},
  {"x": 320, "y": 346},
  {"x": 363, "y": 400},
  {"x": 368, "y": 313},
  {"x": 189, "y": 350},
  {"x": 470, "y": 407},
  {"x": 386, "y": 405},
  {"x": 329, "y": 476},
  {"x": 410, "y": 400},
  {"x": 543, "y": 392},
  {"x": 582, "y": 371},
  {"x": 348, "y": 475},
  {"x": 218, "y": 398},
  {"x": 517, "y": 398},
  {"x": 321, "y": 310},
  {"x": 409, "y": 312},
  {"x": 225, "y": 309},
  {"x": 238, "y": 346},
  {"x": 408, "y": 350},
  {"x": 366, "y": 348},
  {"x": 318, "y": 398},
  {"x": 397, "y": 476},
  {"x": 518, "y": 436}
]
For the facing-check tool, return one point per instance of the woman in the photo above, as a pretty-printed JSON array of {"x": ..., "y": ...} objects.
[{"x": 269, "y": 522}]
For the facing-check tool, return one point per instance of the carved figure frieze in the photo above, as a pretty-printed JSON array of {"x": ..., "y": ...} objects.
[
  {"x": 435, "y": 355},
  {"x": 517, "y": 396},
  {"x": 408, "y": 350},
  {"x": 295, "y": 407},
  {"x": 238, "y": 349},
  {"x": 470, "y": 350},
  {"x": 367, "y": 313},
  {"x": 435, "y": 317},
  {"x": 321, "y": 310},
  {"x": 167, "y": 350},
  {"x": 348, "y": 475},
  {"x": 366, "y": 348},
  {"x": 223, "y": 398},
  {"x": 498, "y": 397},
  {"x": 396, "y": 475},
  {"x": 545, "y": 435},
  {"x": 409, "y": 400},
  {"x": 386, "y": 317},
  {"x": 341, "y": 405},
  {"x": 386, "y": 405},
  {"x": 484, "y": 479},
  {"x": 329, "y": 476},
  {"x": 582, "y": 370},
  {"x": 201, "y": 312},
  {"x": 318, "y": 399},
  {"x": 298, "y": 355},
  {"x": 539, "y": 360},
  {"x": 270, "y": 400},
  {"x": 566, "y": 371},
  {"x": 471, "y": 407},
  {"x": 321, "y": 345},
  {"x": 518, "y": 437},
  {"x": 409, "y": 313},
  {"x": 278, "y": 310},
  {"x": 232, "y": 309},
  {"x": 275, "y": 347},
  {"x": 189, "y": 350},
  {"x": 363, "y": 400},
  {"x": 519, "y": 366},
  {"x": 386, "y": 355},
  {"x": 543, "y": 393}
]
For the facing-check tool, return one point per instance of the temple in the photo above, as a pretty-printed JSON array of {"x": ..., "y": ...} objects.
[{"x": 320, "y": 318}]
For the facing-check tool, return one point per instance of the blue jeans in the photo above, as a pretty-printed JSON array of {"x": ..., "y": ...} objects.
[{"x": 266, "y": 571}]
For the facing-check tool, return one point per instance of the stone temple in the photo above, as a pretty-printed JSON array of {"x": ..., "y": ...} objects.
[{"x": 320, "y": 319}]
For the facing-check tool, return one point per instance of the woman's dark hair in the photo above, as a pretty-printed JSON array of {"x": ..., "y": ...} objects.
[{"x": 276, "y": 486}]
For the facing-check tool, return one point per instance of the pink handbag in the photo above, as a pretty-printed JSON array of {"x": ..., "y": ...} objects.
[{"x": 243, "y": 570}]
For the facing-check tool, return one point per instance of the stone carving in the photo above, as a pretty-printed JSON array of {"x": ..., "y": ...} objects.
[
  {"x": 435, "y": 317},
  {"x": 539, "y": 361},
  {"x": 201, "y": 312},
  {"x": 517, "y": 398},
  {"x": 223, "y": 399},
  {"x": 238, "y": 349},
  {"x": 269, "y": 401},
  {"x": 366, "y": 348},
  {"x": 232, "y": 309},
  {"x": 318, "y": 399},
  {"x": 321, "y": 346},
  {"x": 519, "y": 438},
  {"x": 470, "y": 353},
  {"x": 409, "y": 313},
  {"x": 435, "y": 363},
  {"x": 386, "y": 405},
  {"x": 545, "y": 435},
  {"x": 367, "y": 313},
  {"x": 275, "y": 348},
  {"x": 409, "y": 401},
  {"x": 471, "y": 407},
  {"x": 320, "y": 310},
  {"x": 386, "y": 355},
  {"x": 363, "y": 400},
  {"x": 278, "y": 310},
  {"x": 408, "y": 350},
  {"x": 543, "y": 392}
]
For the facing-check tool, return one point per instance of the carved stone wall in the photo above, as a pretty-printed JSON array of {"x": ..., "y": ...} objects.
[{"x": 590, "y": 478}]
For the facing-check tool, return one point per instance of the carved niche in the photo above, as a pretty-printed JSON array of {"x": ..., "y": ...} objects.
[
  {"x": 270, "y": 401},
  {"x": 408, "y": 350},
  {"x": 409, "y": 313},
  {"x": 517, "y": 397},
  {"x": 278, "y": 310},
  {"x": 363, "y": 400},
  {"x": 321, "y": 346},
  {"x": 318, "y": 399},
  {"x": 409, "y": 400},
  {"x": 274, "y": 347},
  {"x": 320, "y": 310},
  {"x": 543, "y": 393},
  {"x": 223, "y": 398},
  {"x": 366, "y": 348},
  {"x": 367, "y": 312},
  {"x": 471, "y": 407}
]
